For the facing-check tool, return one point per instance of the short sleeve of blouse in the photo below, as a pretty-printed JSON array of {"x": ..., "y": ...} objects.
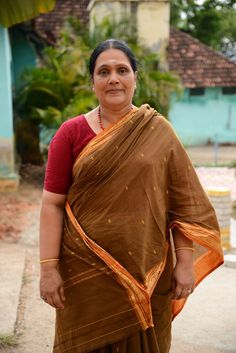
[{"x": 64, "y": 147}]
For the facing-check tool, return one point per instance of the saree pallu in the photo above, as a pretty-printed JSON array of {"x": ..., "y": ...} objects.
[{"x": 132, "y": 184}]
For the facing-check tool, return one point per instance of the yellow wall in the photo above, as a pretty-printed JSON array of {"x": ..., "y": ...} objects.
[
  {"x": 152, "y": 18},
  {"x": 115, "y": 10},
  {"x": 153, "y": 26}
]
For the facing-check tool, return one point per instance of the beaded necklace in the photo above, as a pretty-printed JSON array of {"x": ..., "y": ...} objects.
[{"x": 100, "y": 119}]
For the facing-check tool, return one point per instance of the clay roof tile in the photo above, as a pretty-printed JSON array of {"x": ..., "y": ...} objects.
[{"x": 197, "y": 64}]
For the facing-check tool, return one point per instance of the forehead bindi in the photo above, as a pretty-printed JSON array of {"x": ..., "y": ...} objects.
[{"x": 112, "y": 57}]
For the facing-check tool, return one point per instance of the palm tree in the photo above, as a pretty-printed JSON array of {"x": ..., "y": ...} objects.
[{"x": 60, "y": 87}]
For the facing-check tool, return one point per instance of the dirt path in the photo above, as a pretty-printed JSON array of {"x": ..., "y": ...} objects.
[
  {"x": 35, "y": 324},
  {"x": 20, "y": 224},
  {"x": 15, "y": 210}
]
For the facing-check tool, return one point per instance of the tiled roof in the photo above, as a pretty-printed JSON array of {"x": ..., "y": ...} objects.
[
  {"x": 197, "y": 64},
  {"x": 48, "y": 25}
]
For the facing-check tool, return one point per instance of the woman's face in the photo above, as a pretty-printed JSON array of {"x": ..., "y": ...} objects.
[{"x": 114, "y": 80}]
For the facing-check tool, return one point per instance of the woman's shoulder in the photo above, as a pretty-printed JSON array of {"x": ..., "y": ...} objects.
[
  {"x": 77, "y": 121},
  {"x": 157, "y": 118},
  {"x": 73, "y": 128},
  {"x": 164, "y": 125},
  {"x": 162, "y": 122}
]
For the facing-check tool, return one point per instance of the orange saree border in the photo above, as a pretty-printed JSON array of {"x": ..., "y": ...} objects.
[
  {"x": 205, "y": 263},
  {"x": 139, "y": 294}
]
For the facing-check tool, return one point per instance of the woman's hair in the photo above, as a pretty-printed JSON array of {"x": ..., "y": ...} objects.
[{"x": 112, "y": 44}]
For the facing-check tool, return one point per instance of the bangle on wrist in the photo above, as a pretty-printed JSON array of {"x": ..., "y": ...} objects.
[
  {"x": 185, "y": 248},
  {"x": 48, "y": 260}
]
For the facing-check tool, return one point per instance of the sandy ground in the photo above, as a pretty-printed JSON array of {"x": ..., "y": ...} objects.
[
  {"x": 14, "y": 210},
  {"x": 19, "y": 223},
  {"x": 34, "y": 328}
]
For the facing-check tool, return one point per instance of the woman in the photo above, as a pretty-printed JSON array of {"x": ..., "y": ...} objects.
[{"x": 126, "y": 229}]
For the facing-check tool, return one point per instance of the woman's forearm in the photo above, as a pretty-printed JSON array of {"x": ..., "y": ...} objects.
[
  {"x": 183, "y": 278},
  {"x": 51, "y": 223},
  {"x": 51, "y": 226},
  {"x": 180, "y": 241}
]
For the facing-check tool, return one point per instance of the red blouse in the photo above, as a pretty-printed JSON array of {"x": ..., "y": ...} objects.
[{"x": 69, "y": 140}]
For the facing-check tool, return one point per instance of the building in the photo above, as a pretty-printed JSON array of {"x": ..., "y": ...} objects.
[{"x": 206, "y": 112}]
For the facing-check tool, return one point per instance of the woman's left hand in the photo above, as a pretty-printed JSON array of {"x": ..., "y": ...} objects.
[{"x": 183, "y": 280}]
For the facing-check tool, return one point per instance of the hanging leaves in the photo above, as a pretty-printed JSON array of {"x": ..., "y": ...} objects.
[{"x": 16, "y": 11}]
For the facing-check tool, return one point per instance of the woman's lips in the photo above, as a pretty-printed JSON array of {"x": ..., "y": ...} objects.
[{"x": 114, "y": 90}]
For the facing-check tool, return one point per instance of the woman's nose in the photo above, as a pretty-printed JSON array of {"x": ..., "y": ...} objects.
[{"x": 113, "y": 78}]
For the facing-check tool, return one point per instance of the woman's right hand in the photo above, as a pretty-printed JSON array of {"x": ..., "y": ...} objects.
[{"x": 51, "y": 286}]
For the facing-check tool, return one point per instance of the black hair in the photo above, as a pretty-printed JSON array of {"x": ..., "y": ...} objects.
[{"x": 112, "y": 44}]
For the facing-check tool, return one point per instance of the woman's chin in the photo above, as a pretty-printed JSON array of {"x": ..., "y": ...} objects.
[{"x": 116, "y": 102}]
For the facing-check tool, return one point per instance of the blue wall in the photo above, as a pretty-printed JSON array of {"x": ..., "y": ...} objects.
[
  {"x": 6, "y": 119},
  {"x": 206, "y": 118},
  {"x": 8, "y": 177}
]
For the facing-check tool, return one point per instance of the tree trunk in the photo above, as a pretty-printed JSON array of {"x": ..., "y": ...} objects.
[{"x": 27, "y": 142}]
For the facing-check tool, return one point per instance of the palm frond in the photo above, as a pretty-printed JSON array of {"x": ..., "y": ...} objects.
[{"x": 16, "y": 11}]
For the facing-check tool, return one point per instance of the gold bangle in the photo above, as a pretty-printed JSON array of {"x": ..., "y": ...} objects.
[
  {"x": 185, "y": 248},
  {"x": 47, "y": 260}
]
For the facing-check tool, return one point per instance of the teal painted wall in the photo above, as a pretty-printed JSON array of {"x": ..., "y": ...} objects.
[
  {"x": 202, "y": 119},
  {"x": 7, "y": 166},
  {"x": 6, "y": 120},
  {"x": 23, "y": 55}
]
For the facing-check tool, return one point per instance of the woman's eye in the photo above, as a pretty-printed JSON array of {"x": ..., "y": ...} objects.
[
  {"x": 123, "y": 70},
  {"x": 103, "y": 72}
]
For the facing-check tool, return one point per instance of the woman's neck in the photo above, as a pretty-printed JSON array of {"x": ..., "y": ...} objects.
[{"x": 109, "y": 115}]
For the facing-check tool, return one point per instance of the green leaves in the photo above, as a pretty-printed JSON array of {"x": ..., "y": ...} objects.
[
  {"x": 60, "y": 87},
  {"x": 213, "y": 22},
  {"x": 16, "y": 11}
]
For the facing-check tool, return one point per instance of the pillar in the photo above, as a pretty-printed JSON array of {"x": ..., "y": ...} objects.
[
  {"x": 8, "y": 176},
  {"x": 151, "y": 18}
]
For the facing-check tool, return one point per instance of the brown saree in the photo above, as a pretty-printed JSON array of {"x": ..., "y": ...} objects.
[{"x": 132, "y": 184}]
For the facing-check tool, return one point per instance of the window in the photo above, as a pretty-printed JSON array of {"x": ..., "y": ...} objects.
[
  {"x": 229, "y": 90},
  {"x": 199, "y": 91}
]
